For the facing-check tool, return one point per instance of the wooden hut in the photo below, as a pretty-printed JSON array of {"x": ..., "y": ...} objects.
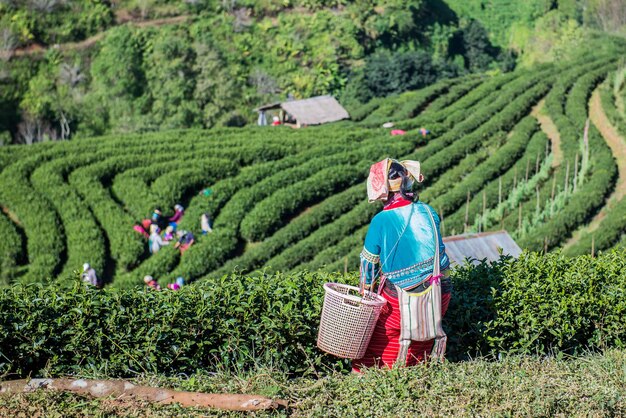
[
  {"x": 476, "y": 247},
  {"x": 312, "y": 111}
]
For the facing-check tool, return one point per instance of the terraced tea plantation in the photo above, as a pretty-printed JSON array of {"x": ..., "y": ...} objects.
[{"x": 510, "y": 151}]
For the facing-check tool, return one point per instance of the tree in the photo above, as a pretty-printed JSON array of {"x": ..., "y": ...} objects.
[
  {"x": 386, "y": 73},
  {"x": 116, "y": 99},
  {"x": 215, "y": 92},
  {"x": 168, "y": 66},
  {"x": 478, "y": 51}
]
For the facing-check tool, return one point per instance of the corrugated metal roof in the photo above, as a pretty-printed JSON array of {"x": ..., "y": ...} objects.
[
  {"x": 316, "y": 110},
  {"x": 487, "y": 245}
]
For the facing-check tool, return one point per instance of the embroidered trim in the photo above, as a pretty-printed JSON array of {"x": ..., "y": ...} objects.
[
  {"x": 412, "y": 269},
  {"x": 372, "y": 258}
]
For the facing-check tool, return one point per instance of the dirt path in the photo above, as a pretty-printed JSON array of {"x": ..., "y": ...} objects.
[
  {"x": 36, "y": 49},
  {"x": 11, "y": 216},
  {"x": 549, "y": 128},
  {"x": 618, "y": 148},
  {"x": 123, "y": 390}
]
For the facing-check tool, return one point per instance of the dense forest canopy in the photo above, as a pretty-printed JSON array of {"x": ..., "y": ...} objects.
[{"x": 73, "y": 68}]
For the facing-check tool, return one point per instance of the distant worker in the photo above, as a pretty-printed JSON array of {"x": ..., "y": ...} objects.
[
  {"x": 205, "y": 223},
  {"x": 396, "y": 132},
  {"x": 179, "y": 211},
  {"x": 205, "y": 192},
  {"x": 151, "y": 283},
  {"x": 156, "y": 242},
  {"x": 173, "y": 286},
  {"x": 185, "y": 240},
  {"x": 90, "y": 277},
  {"x": 276, "y": 121},
  {"x": 424, "y": 132},
  {"x": 144, "y": 228},
  {"x": 180, "y": 281},
  {"x": 169, "y": 233},
  {"x": 157, "y": 218}
]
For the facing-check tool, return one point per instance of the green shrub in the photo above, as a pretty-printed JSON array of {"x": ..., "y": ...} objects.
[{"x": 537, "y": 304}]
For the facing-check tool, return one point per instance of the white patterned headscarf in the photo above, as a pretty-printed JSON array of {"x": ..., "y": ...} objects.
[{"x": 378, "y": 183}]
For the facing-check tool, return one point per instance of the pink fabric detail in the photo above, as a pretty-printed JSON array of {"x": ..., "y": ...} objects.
[
  {"x": 141, "y": 231},
  {"x": 435, "y": 279},
  {"x": 396, "y": 132},
  {"x": 377, "y": 184}
]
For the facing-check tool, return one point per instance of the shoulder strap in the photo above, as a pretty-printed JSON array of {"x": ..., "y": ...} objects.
[{"x": 436, "y": 261}]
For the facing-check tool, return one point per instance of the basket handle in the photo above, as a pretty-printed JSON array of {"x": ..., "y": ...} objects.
[{"x": 351, "y": 303}]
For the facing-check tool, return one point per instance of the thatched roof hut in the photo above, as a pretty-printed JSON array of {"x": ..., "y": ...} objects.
[
  {"x": 312, "y": 111},
  {"x": 476, "y": 247}
]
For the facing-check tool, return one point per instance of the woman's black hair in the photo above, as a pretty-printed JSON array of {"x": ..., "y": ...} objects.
[{"x": 398, "y": 170}]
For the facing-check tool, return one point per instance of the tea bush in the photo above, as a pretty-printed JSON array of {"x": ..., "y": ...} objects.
[{"x": 537, "y": 304}]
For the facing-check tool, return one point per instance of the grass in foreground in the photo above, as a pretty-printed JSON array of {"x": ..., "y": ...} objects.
[{"x": 593, "y": 385}]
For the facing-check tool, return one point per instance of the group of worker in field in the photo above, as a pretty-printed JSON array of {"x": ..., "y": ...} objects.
[{"x": 160, "y": 231}]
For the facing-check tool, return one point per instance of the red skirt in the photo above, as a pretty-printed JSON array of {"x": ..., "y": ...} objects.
[{"x": 385, "y": 344}]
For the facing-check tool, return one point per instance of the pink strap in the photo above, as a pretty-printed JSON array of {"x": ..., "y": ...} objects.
[
  {"x": 435, "y": 279},
  {"x": 381, "y": 286}
]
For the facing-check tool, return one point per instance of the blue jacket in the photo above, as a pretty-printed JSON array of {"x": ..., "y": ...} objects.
[{"x": 405, "y": 258}]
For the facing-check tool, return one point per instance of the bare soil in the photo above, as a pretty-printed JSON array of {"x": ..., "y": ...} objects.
[
  {"x": 549, "y": 128},
  {"x": 11, "y": 215}
]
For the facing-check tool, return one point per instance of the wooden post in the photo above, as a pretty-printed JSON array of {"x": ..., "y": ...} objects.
[
  {"x": 515, "y": 179},
  {"x": 566, "y": 187},
  {"x": 467, "y": 211},
  {"x": 552, "y": 195},
  {"x": 545, "y": 245},
  {"x": 484, "y": 202},
  {"x": 586, "y": 138},
  {"x": 575, "y": 171},
  {"x": 585, "y": 159},
  {"x": 538, "y": 206},
  {"x": 519, "y": 217},
  {"x": 527, "y": 169},
  {"x": 500, "y": 191},
  {"x": 482, "y": 222},
  {"x": 537, "y": 164},
  {"x": 593, "y": 246},
  {"x": 502, "y": 218}
]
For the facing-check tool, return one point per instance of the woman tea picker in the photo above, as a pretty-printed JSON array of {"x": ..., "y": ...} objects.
[{"x": 400, "y": 251}]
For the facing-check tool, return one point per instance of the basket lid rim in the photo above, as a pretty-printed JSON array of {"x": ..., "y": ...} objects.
[{"x": 328, "y": 287}]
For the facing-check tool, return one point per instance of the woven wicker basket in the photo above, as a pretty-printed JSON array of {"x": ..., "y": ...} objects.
[{"x": 348, "y": 320}]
